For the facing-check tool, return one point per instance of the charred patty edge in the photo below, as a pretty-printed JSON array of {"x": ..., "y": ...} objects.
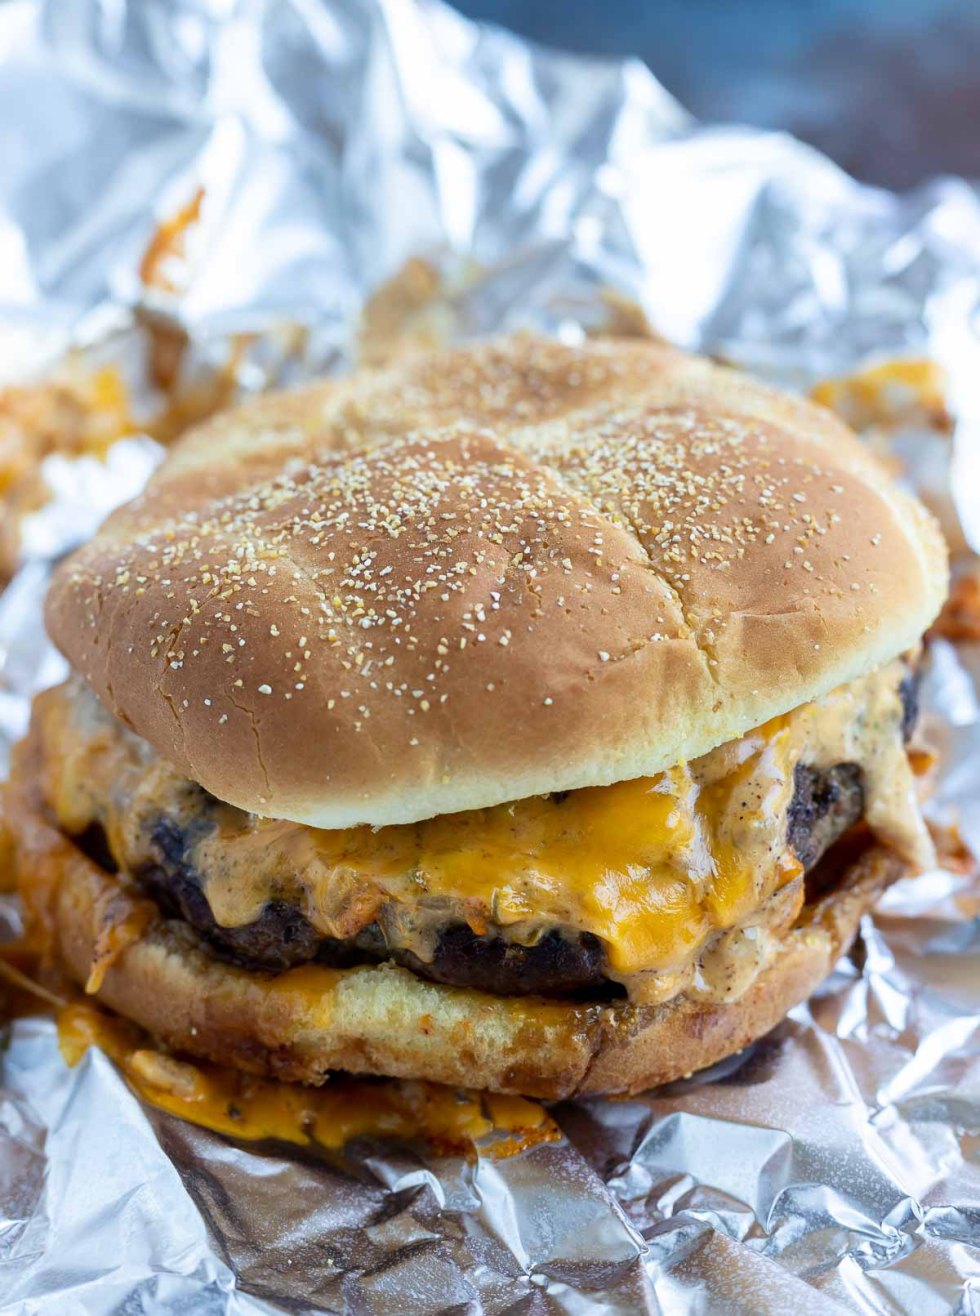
[
  {"x": 563, "y": 962},
  {"x": 827, "y": 804}
]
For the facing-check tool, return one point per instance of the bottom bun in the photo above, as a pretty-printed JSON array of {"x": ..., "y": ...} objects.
[{"x": 384, "y": 1020}]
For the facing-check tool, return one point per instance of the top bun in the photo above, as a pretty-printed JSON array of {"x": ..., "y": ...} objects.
[{"x": 489, "y": 573}]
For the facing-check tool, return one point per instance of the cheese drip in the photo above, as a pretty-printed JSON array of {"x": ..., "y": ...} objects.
[
  {"x": 347, "y": 1108},
  {"x": 686, "y": 877}
]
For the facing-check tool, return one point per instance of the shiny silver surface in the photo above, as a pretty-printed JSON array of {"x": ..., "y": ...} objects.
[{"x": 833, "y": 1166}]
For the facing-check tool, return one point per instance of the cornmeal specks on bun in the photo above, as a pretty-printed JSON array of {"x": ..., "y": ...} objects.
[{"x": 526, "y": 717}]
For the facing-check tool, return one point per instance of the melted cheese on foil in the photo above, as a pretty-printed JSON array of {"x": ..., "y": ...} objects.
[
  {"x": 346, "y": 1108},
  {"x": 685, "y": 877}
]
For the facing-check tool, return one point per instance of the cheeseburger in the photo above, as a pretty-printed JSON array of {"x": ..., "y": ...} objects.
[{"x": 524, "y": 717}]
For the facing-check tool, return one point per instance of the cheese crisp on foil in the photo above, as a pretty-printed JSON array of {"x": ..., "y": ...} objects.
[{"x": 200, "y": 201}]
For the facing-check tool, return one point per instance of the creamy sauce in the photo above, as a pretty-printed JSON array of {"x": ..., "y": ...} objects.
[
  {"x": 686, "y": 877},
  {"x": 122, "y": 923}
]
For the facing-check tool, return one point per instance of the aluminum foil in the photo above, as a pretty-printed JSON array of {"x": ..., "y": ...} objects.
[{"x": 833, "y": 1166}]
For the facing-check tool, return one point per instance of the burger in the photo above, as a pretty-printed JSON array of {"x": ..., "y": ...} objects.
[{"x": 525, "y": 717}]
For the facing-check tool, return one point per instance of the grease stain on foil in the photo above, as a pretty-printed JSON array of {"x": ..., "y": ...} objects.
[{"x": 833, "y": 1166}]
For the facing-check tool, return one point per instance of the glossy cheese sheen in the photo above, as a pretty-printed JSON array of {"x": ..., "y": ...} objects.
[
  {"x": 656, "y": 868},
  {"x": 624, "y": 861},
  {"x": 346, "y": 1108}
]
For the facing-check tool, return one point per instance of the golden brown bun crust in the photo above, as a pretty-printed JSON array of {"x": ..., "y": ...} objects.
[
  {"x": 491, "y": 573},
  {"x": 384, "y": 1020}
]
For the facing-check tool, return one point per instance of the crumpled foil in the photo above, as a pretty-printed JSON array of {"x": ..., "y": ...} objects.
[{"x": 831, "y": 1167}]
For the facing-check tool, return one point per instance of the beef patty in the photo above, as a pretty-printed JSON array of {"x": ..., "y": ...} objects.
[{"x": 826, "y": 803}]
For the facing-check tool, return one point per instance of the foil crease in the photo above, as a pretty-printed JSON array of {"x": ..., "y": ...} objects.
[{"x": 833, "y": 1166}]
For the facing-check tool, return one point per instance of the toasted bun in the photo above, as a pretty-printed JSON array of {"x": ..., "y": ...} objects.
[
  {"x": 384, "y": 1020},
  {"x": 491, "y": 573}
]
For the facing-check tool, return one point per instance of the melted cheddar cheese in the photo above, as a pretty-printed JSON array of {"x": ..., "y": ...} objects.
[
  {"x": 346, "y": 1108},
  {"x": 686, "y": 878}
]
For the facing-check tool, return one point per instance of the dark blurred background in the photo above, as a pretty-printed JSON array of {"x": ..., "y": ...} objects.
[{"x": 889, "y": 88}]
